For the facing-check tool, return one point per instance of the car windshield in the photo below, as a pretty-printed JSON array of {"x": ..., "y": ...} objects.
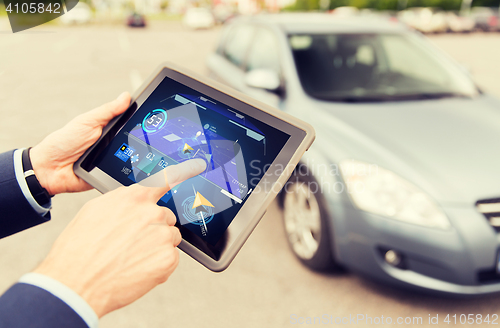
[{"x": 376, "y": 67}]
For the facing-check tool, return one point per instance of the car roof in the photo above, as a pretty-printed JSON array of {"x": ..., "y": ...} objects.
[{"x": 294, "y": 23}]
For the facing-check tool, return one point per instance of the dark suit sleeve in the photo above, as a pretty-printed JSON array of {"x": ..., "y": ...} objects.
[
  {"x": 16, "y": 214},
  {"x": 27, "y": 306},
  {"x": 24, "y": 305}
]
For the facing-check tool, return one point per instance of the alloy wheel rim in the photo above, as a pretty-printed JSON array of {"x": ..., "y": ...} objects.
[{"x": 302, "y": 220}]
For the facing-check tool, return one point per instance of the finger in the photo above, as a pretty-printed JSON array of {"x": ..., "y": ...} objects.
[
  {"x": 171, "y": 219},
  {"x": 105, "y": 113},
  {"x": 167, "y": 217},
  {"x": 176, "y": 236},
  {"x": 171, "y": 235},
  {"x": 161, "y": 182}
]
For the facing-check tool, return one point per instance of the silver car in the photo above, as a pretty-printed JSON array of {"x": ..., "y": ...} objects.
[{"x": 403, "y": 182}]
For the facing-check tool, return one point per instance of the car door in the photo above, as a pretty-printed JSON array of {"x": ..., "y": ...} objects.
[
  {"x": 245, "y": 47},
  {"x": 227, "y": 64},
  {"x": 264, "y": 54}
]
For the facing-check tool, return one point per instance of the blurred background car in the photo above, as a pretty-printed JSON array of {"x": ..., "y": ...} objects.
[
  {"x": 198, "y": 18},
  {"x": 80, "y": 14},
  {"x": 425, "y": 20},
  {"x": 486, "y": 19},
  {"x": 136, "y": 20},
  {"x": 345, "y": 11},
  {"x": 223, "y": 13},
  {"x": 400, "y": 185},
  {"x": 458, "y": 23}
]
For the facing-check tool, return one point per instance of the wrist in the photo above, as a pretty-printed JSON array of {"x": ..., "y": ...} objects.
[
  {"x": 65, "y": 294},
  {"x": 39, "y": 164},
  {"x": 80, "y": 286}
]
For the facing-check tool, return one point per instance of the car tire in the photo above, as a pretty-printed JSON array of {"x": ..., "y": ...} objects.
[{"x": 306, "y": 222}]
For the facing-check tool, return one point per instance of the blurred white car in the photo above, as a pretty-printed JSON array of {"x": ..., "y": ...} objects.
[
  {"x": 459, "y": 24},
  {"x": 425, "y": 20},
  {"x": 345, "y": 11},
  {"x": 222, "y": 13},
  {"x": 486, "y": 19},
  {"x": 198, "y": 18},
  {"x": 80, "y": 14}
]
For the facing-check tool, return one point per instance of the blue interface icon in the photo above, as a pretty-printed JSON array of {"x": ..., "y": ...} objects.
[
  {"x": 124, "y": 152},
  {"x": 154, "y": 121}
]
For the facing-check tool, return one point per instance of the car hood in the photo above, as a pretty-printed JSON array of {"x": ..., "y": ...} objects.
[{"x": 448, "y": 147}]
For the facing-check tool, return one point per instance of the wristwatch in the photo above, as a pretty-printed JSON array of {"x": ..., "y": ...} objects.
[{"x": 39, "y": 193}]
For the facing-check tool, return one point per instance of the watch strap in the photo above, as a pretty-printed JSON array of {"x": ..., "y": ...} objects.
[{"x": 40, "y": 194}]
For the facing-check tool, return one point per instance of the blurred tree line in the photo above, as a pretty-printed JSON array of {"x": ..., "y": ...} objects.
[{"x": 305, "y": 5}]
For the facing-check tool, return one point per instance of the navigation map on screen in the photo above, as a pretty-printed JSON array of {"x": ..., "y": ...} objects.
[{"x": 177, "y": 123}]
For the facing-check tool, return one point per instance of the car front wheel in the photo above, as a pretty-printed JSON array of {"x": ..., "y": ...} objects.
[{"x": 306, "y": 223}]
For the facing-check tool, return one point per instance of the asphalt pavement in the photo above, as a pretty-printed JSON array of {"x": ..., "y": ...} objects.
[{"x": 50, "y": 74}]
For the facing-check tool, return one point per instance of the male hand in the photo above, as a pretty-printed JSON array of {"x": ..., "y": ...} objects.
[
  {"x": 120, "y": 245},
  {"x": 53, "y": 158}
]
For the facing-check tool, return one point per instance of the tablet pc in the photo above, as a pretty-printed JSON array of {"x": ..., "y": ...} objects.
[{"x": 250, "y": 149}]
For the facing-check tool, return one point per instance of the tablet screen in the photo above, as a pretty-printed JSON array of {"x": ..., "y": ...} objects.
[{"x": 176, "y": 123}]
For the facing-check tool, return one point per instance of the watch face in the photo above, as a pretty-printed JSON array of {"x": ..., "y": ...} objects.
[{"x": 154, "y": 121}]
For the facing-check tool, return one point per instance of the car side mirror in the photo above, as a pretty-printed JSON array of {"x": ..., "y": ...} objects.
[{"x": 263, "y": 79}]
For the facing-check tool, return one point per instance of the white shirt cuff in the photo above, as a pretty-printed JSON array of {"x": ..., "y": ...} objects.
[
  {"x": 18, "y": 169},
  {"x": 64, "y": 293}
]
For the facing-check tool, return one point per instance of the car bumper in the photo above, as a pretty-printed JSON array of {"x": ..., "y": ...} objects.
[{"x": 454, "y": 261}]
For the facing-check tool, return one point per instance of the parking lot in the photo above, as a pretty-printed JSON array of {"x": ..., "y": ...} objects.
[{"x": 50, "y": 74}]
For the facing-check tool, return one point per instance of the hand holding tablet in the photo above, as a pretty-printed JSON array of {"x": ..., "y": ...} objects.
[
  {"x": 248, "y": 150},
  {"x": 120, "y": 245}
]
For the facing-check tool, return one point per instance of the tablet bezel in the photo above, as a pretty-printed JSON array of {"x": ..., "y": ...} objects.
[{"x": 301, "y": 137}]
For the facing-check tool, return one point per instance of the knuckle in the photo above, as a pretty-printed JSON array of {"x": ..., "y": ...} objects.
[
  {"x": 168, "y": 211},
  {"x": 176, "y": 236}
]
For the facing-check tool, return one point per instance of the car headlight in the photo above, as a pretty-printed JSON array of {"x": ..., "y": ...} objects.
[{"x": 376, "y": 190}]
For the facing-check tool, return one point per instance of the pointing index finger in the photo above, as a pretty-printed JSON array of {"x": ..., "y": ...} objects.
[{"x": 160, "y": 183}]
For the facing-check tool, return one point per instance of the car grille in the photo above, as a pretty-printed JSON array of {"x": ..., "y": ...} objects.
[{"x": 491, "y": 210}]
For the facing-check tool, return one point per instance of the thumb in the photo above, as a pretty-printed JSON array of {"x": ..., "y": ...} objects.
[
  {"x": 161, "y": 182},
  {"x": 105, "y": 113}
]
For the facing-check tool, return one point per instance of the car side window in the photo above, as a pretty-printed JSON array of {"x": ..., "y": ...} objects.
[
  {"x": 264, "y": 52},
  {"x": 237, "y": 43}
]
